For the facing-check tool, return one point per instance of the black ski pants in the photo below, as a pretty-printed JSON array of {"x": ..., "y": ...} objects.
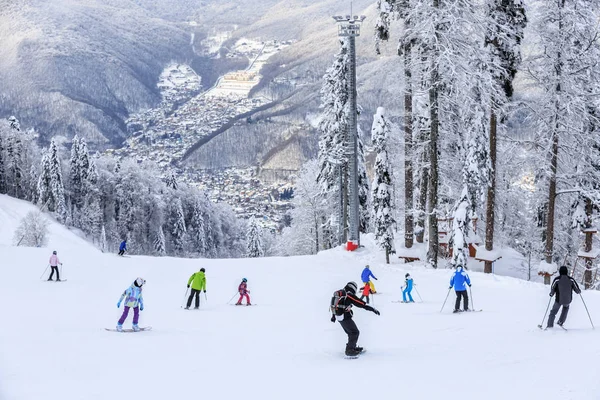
[
  {"x": 554, "y": 311},
  {"x": 465, "y": 296},
  {"x": 52, "y": 273},
  {"x": 194, "y": 293},
  {"x": 121, "y": 252},
  {"x": 351, "y": 330},
  {"x": 363, "y": 297}
]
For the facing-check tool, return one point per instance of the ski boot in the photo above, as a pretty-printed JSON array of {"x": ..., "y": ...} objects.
[
  {"x": 196, "y": 308},
  {"x": 135, "y": 327},
  {"x": 119, "y": 328},
  {"x": 457, "y": 311},
  {"x": 238, "y": 304},
  {"x": 352, "y": 351},
  {"x": 58, "y": 280},
  {"x": 186, "y": 308},
  {"x": 50, "y": 279},
  {"x": 248, "y": 304},
  {"x": 359, "y": 349}
]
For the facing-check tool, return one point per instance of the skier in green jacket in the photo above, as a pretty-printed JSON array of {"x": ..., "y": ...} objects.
[{"x": 198, "y": 283}]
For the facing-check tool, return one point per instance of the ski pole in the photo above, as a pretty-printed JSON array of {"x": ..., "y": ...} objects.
[
  {"x": 232, "y": 297},
  {"x": 471, "y": 294},
  {"x": 586, "y": 310},
  {"x": 61, "y": 271},
  {"x": 417, "y": 290},
  {"x": 546, "y": 313},
  {"x": 44, "y": 273},
  {"x": 205, "y": 298},
  {"x": 185, "y": 296},
  {"x": 443, "y": 305}
]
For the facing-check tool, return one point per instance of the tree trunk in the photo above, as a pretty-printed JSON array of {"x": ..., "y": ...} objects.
[
  {"x": 387, "y": 256},
  {"x": 587, "y": 276},
  {"x": 422, "y": 202},
  {"x": 408, "y": 150},
  {"x": 432, "y": 253},
  {"x": 491, "y": 192},
  {"x": 552, "y": 198}
]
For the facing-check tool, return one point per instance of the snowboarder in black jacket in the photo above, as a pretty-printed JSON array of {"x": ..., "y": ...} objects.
[
  {"x": 563, "y": 286},
  {"x": 341, "y": 310}
]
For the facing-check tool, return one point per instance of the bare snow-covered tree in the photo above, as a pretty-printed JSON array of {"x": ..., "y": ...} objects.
[{"x": 32, "y": 230}]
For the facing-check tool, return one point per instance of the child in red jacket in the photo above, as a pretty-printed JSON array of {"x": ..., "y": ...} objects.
[
  {"x": 366, "y": 291},
  {"x": 243, "y": 290}
]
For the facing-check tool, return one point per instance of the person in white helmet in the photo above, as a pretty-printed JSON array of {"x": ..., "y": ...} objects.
[
  {"x": 133, "y": 299},
  {"x": 341, "y": 310}
]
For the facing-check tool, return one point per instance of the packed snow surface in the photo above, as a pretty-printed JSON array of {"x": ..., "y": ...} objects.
[{"x": 53, "y": 344}]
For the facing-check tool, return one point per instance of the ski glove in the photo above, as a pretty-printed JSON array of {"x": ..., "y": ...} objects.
[
  {"x": 333, "y": 318},
  {"x": 188, "y": 286},
  {"x": 204, "y": 290},
  {"x": 119, "y": 305},
  {"x": 141, "y": 308},
  {"x": 376, "y": 311}
]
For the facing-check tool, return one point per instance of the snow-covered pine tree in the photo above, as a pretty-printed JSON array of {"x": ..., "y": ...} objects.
[
  {"x": 178, "y": 228},
  {"x": 56, "y": 183},
  {"x": 3, "y": 188},
  {"x": 568, "y": 73},
  {"x": 505, "y": 31},
  {"x": 102, "y": 241},
  {"x": 159, "y": 242},
  {"x": 171, "y": 180},
  {"x": 460, "y": 231},
  {"x": 75, "y": 173},
  {"x": 383, "y": 204},
  {"x": 197, "y": 230},
  {"x": 333, "y": 142},
  {"x": 254, "y": 239}
]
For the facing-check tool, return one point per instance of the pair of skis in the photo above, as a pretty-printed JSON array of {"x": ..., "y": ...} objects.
[{"x": 546, "y": 328}]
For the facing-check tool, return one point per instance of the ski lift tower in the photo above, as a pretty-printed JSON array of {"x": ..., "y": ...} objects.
[{"x": 349, "y": 27}]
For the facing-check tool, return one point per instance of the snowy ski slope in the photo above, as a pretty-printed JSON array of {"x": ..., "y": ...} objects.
[{"x": 53, "y": 344}]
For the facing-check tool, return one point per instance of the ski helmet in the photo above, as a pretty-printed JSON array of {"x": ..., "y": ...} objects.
[
  {"x": 407, "y": 275},
  {"x": 140, "y": 282},
  {"x": 351, "y": 287},
  {"x": 54, "y": 252},
  {"x": 244, "y": 280},
  {"x": 202, "y": 270}
]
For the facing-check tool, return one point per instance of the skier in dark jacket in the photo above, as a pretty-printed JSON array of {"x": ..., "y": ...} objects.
[
  {"x": 123, "y": 247},
  {"x": 341, "y": 310},
  {"x": 563, "y": 286}
]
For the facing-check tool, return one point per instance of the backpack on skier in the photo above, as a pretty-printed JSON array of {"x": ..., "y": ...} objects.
[{"x": 338, "y": 302}]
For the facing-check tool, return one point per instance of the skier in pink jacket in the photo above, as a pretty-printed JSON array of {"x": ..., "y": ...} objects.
[{"x": 54, "y": 262}]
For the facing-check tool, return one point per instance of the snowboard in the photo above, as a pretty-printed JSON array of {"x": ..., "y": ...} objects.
[
  {"x": 145, "y": 328},
  {"x": 355, "y": 357}
]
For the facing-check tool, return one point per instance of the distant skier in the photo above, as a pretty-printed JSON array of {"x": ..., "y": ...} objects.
[
  {"x": 243, "y": 291},
  {"x": 459, "y": 281},
  {"x": 133, "y": 299},
  {"x": 366, "y": 278},
  {"x": 198, "y": 282},
  {"x": 563, "y": 285},
  {"x": 341, "y": 310},
  {"x": 54, "y": 262},
  {"x": 407, "y": 289},
  {"x": 366, "y": 291},
  {"x": 123, "y": 247}
]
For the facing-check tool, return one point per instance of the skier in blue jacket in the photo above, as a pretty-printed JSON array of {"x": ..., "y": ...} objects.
[
  {"x": 407, "y": 289},
  {"x": 366, "y": 278},
  {"x": 123, "y": 247},
  {"x": 459, "y": 281}
]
